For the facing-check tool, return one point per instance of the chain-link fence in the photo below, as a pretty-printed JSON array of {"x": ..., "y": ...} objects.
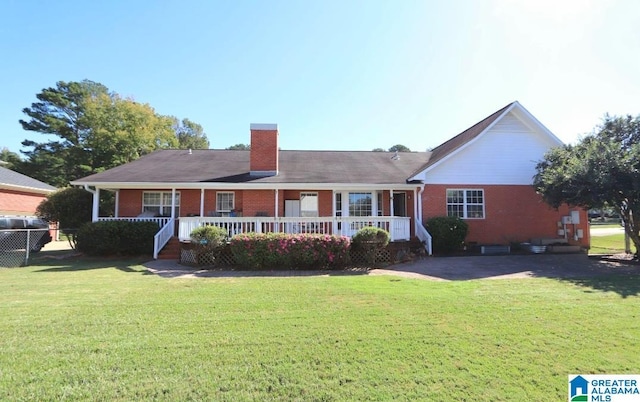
[{"x": 17, "y": 245}]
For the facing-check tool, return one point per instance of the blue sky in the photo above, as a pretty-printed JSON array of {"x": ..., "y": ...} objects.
[{"x": 352, "y": 75}]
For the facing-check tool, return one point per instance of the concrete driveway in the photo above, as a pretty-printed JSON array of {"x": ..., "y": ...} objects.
[
  {"x": 440, "y": 268},
  {"x": 509, "y": 266}
]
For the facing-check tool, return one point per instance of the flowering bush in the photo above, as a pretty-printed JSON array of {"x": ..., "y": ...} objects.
[{"x": 289, "y": 251}]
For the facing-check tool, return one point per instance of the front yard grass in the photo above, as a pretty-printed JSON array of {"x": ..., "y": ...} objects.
[
  {"x": 609, "y": 244},
  {"x": 107, "y": 330}
]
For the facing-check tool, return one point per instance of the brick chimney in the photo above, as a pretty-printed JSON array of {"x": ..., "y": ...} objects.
[{"x": 264, "y": 150}]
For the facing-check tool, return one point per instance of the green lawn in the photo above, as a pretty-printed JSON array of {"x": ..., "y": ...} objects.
[
  {"x": 610, "y": 244},
  {"x": 92, "y": 330}
]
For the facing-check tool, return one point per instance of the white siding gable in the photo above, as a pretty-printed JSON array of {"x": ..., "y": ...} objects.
[{"x": 506, "y": 153}]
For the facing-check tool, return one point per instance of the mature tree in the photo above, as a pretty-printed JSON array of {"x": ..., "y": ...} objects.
[
  {"x": 123, "y": 130},
  {"x": 70, "y": 207},
  {"x": 59, "y": 111},
  {"x": 399, "y": 148},
  {"x": 190, "y": 135},
  {"x": 95, "y": 129},
  {"x": 240, "y": 147},
  {"x": 603, "y": 168},
  {"x": 377, "y": 150},
  {"x": 11, "y": 159}
]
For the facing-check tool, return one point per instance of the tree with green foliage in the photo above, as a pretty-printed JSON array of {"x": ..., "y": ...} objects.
[
  {"x": 603, "y": 168},
  {"x": 377, "y": 150},
  {"x": 399, "y": 148},
  {"x": 190, "y": 135},
  {"x": 71, "y": 207},
  {"x": 123, "y": 130},
  {"x": 95, "y": 130},
  {"x": 11, "y": 159},
  {"x": 240, "y": 147},
  {"x": 60, "y": 111}
]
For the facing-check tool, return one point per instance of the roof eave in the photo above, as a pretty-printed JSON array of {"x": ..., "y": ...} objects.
[
  {"x": 27, "y": 189},
  {"x": 242, "y": 186}
]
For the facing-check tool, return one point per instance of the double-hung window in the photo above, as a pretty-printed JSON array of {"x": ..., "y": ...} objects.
[
  {"x": 225, "y": 202},
  {"x": 159, "y": 203},
  {"x": 465, "y": 203}
]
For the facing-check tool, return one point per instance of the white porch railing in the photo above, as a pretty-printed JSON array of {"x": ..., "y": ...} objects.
[
  {"x": 160, "y": 221},
  {"x": 425, "y": 237},
  {"x": 162, "y": 237},
  {"x": 398, "y": 227}
]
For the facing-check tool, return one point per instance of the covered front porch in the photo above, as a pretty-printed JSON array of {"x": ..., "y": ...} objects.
[{"x": 308, "y": 210}]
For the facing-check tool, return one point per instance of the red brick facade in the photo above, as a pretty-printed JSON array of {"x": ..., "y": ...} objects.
[
  {"x": 512, "y": 214},
  {"x": 19, "y": 202}
]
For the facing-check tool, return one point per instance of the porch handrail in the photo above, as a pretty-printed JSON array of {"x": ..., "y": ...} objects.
[
  {"x": 398, "y": 227},
  {"x": 161, "y": 221},
  {"x": 163, "y": 236},
  {"x": 425, "y": 237}
]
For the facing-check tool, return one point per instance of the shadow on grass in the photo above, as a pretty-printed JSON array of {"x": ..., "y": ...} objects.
[
  {"x": 624, "y": 285},
  {"x": 66, "y": 261}
]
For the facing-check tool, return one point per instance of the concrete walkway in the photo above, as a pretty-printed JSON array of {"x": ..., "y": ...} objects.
[{"x": 440, "y": 268}]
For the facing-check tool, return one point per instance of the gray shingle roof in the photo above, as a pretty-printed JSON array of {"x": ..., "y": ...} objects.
[
  {"x": 226, "y": 166},
  {"x": 339, "y": 167},
  {"x": 9, "y": 178}
]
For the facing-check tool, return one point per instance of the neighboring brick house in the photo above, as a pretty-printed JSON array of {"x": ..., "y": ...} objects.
[
  {"x": 483, "y": 175},
  {"x": 20, "y": 194}
]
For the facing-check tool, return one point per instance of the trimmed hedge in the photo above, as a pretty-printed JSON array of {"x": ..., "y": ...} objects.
[
  {"x": 448, "y": 232},
  {"x": 288, "y": 251},
  {"x": 116, "y": 238},
  {"x": 371, "y": 235},
  {"x": 370, "y": 239}
]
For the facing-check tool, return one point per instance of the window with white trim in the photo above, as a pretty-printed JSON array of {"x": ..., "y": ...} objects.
[
  {"x": 360, "y": 204},
  {"x": 309, "y": 204},
  {"x": 225, "y": 202},
  {"x": 465, "y": 203},
  {"x": 159, "y": 202}
]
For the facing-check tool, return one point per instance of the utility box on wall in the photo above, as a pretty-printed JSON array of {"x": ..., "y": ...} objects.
[{"x": 575, "y": 217}]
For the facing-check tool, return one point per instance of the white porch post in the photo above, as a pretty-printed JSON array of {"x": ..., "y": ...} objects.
[
  {"x": 202, "y": 202},
  {"x": 96, "y": 205},
  {"x": 417, "y": 207},
  {"x": 275, "y": 213},
  {"x": 173, "y": 203},
  {"x": 116, "y": 211},
  {"x": 334, "y": 226},
  {"x": 276, "y": 225},
  {"x": 391, "y": 210}
]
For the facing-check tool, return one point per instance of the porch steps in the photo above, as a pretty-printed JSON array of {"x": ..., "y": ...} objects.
[{"x": 171, "y": 250}]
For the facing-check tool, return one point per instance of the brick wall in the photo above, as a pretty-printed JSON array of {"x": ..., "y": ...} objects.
[
  {"x": 258, "y": 201},
  {"x": 512, "y": 214},
  {"x": 19, "y": 203},
  {"x": 264, "y": 150},
  {"x": 130, "y": 202}
]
